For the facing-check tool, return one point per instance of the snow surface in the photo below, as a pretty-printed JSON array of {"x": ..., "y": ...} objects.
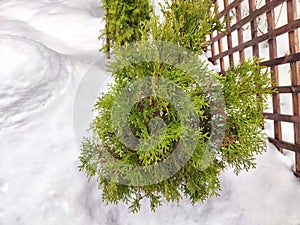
[{"x": 46, "y": 48}]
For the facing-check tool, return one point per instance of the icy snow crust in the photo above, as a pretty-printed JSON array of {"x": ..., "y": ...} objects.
[{"x": 46, "y": 49}]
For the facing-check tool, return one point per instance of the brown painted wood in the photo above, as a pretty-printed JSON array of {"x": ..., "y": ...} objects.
[
  {"x": 285, "y": 145},
  {"x": 222, "y": 64},
  {"x": 282, "y": 60},
  {"x": 250, "y": 17},
  {"x": 274, "y": 73},
  {"x": 230, "y": 7},
  {"x": 253, "y": 25},
  {"x": 296, "y": 174},
  {"x": 212, "y": 48},
  {"x": 273, "y": 33},
  {"x": 288, "y": 89},
  {"x": 238, "y": 11},
  {"x": 220, "y": 47},
  {"x": 229, "y": 37},
  {"x": 295, "y": 76},
  {"x": 281, "y": 117}
]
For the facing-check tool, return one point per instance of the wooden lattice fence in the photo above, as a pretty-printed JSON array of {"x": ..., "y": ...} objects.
[{"x": 245, "y": 36}]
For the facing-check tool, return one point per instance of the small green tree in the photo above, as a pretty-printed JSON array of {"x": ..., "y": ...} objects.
[
  {"x": 124, "y": 20},
  {"x": 114, "y": 155}
]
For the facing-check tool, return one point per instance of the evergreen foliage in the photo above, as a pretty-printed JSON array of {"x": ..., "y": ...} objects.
[
  {"x": 245, "y": 87},
  {"x": 124, "y": 20}
]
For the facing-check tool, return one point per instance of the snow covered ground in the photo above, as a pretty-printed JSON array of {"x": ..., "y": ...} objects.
[{"x": 46, "y": 48}]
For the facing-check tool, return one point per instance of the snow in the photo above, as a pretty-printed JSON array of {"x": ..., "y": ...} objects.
[
  {"x": 32, "y": 75},
  {"x": 50, "y": 69}
]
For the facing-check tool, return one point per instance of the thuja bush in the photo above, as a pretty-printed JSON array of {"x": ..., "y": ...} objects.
[
  {"x": 124, "y": 20},
  {"x": 158, "y": 143}
]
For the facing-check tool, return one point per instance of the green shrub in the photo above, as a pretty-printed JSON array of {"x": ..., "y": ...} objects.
[
  {"x": 124, "y": 20},
  {"x": 113, "y": 153}
]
